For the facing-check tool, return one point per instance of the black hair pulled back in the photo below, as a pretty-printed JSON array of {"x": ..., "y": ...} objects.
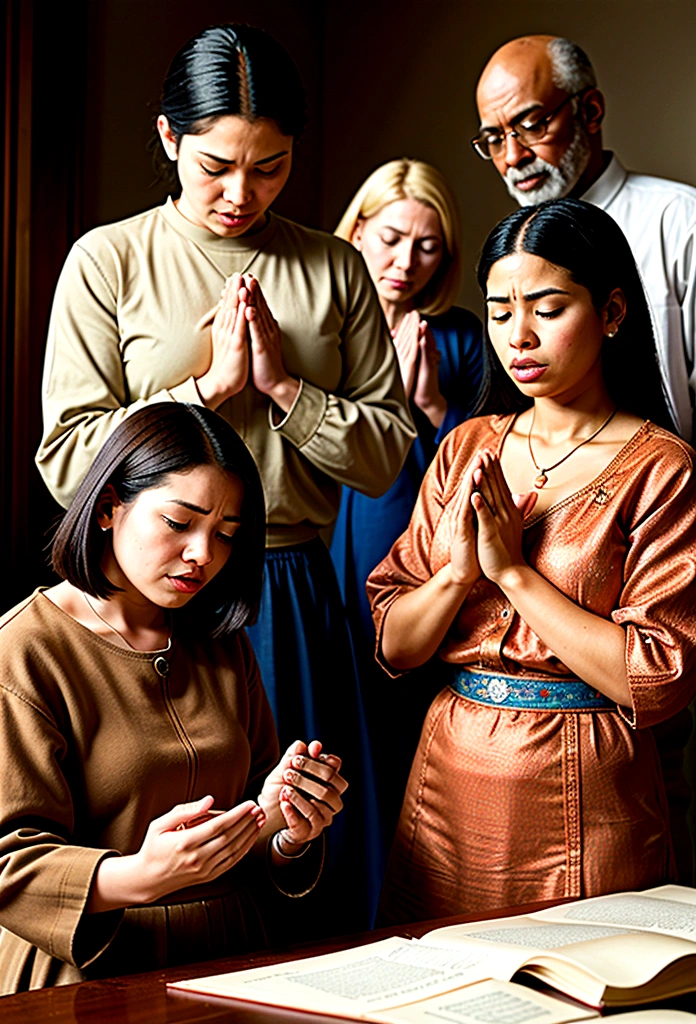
[
  {"x": 233, "y": 69},
  {"x": 591, "y": 247}
]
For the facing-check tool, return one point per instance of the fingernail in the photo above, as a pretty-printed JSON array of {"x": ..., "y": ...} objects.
[
  {"x": 289, "y": 776},
  {"x": 298, "y": 762}
]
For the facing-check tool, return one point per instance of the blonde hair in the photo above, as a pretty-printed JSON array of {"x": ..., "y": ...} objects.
[{"x": 413, "y": 179}]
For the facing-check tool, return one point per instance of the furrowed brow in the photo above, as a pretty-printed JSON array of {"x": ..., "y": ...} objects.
[
  {"x": 270, "y": 159},
  {"x": 202, "y": 511},
  {"x": 543, "y": 292},
  {"x": 189, "y": 505}
]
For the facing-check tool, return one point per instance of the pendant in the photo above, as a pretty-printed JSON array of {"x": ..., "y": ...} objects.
[
  {"x": 161, "y": 666},
  {"x": 541, "y": 480}
]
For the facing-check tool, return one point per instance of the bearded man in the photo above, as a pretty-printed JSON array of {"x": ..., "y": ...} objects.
[{"x": 541, "y": 115}]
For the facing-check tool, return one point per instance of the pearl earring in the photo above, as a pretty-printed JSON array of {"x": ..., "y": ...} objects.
[{"x": 612, "y": 333}]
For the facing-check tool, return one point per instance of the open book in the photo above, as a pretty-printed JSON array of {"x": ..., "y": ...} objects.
[{"x": 618, "y": 950}]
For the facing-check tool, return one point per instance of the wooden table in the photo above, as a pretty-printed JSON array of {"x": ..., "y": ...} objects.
[{"x": 144, "y": 998}]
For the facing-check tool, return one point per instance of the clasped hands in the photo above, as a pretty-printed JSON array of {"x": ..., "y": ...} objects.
[
  {"x": 486, "y": 523},
  {"x": 419, "y": 361},
  {"x": 192, "y": 843},
  {"x": 246, "y": 345}
]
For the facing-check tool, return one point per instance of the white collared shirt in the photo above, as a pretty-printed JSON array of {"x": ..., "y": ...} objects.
[{"x": 658, "y": 217}]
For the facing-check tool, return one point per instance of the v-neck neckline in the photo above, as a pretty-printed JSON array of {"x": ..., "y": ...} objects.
[{"x": 591, "y": 485}]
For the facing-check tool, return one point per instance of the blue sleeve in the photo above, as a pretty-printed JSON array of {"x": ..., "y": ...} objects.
[{"x": 459, "y": 338}]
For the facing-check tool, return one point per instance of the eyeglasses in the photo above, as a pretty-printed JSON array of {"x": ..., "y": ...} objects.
[{"x": 528, "y": 132}]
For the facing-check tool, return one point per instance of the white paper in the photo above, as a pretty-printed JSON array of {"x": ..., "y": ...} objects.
[
  {"x": 489, "y": 1002},
  {"x": 635, "y": 911},
  {"x": 681, "y": 893},
  {"x": 540, "y": 935},
  {"x": 354, "y": 981}
]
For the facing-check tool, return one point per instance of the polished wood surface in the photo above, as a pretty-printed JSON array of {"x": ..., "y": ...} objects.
[{"x": 144, "y": 998}]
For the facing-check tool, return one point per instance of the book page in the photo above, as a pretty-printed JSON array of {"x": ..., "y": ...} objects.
[
  {"x": 627, "y": 961},
  {"x": 353, "y": 982},
  {"x": 632, "y": 910},
  {"x": 574, "y": 956},
  {"x": 680, "y": 893},
  {"x": 489, "y": 1002},
  {"x": 522, "y": 931}
]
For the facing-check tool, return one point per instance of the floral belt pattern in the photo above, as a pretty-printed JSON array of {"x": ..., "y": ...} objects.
[{"x": 526, "y": 693}]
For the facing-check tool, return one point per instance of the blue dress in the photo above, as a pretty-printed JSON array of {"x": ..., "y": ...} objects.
[{"x": 365, "y": 530}]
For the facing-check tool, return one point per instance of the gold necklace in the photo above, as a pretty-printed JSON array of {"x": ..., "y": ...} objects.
[
  {"x": 543, "y": 476},
  {"x": 159, "y": 661}
]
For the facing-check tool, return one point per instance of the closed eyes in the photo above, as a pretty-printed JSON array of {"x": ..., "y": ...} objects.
[{"x": 179, "y": 527}]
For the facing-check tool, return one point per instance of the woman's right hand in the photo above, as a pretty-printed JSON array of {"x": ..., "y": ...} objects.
[
  {"x": 407, "y": 345},
  {"x": 229, "y": 368},
  {"x": 174, "y": 856},
  {"x": 464, "y": 563}
]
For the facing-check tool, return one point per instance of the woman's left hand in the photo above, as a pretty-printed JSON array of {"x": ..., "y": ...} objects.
[
  {"x": 500, "y": 516},
  {"x": 306, "y": 786},
  {"x": 268, "y": 371}
]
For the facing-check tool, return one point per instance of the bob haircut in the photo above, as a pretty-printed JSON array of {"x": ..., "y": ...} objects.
[
  {"x": 230, "y": 69},
  {"x": 589, "y": 245},
  {"x": 413, "y": 179},
  {"x": 146, "y": 447}
]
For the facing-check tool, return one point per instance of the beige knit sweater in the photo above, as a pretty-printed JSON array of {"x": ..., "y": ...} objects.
[{"x": 130, "y": 325}]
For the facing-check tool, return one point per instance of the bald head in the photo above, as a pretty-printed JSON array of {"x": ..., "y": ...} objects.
[
  {"x": 523, "y": 61},
  {"x": 546, "y": 84}
]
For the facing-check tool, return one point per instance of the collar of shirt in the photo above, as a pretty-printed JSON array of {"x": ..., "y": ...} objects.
[{"x": 607, "y": 185}]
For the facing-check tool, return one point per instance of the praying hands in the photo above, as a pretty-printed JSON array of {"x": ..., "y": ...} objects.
[{"x": 246, "y": 347}]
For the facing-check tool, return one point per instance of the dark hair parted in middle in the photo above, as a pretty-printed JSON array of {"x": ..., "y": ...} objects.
[
  {"x": 146, "y": 447},
  {"x": 586, "y": 242},
  {"x": 233, "y": 69}
]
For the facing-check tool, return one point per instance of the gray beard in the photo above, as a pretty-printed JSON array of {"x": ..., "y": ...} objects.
[{"x": 560, "y": 181}]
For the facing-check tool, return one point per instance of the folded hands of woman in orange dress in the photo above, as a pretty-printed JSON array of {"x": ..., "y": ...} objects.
[
  {"x": 499, "y": 517},
  {"x": 591, "y": 646}
]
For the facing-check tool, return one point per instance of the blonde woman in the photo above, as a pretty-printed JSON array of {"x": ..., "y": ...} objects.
[{"x": 404, "y": 221}]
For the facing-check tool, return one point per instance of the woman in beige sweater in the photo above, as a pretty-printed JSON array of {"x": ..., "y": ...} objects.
[
  {"x": 141, "y": 812},
  {"x": 296, "y": 357}
]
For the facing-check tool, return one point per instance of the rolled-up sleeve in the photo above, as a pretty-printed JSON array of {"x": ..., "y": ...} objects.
[{"x": 657, "y": 601}]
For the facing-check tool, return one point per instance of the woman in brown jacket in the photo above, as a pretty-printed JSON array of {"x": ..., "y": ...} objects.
[{"x": 140, "y": 809}]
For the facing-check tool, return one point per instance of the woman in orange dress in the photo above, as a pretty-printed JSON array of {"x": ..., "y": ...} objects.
[{"x": 551, "y": 561}]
